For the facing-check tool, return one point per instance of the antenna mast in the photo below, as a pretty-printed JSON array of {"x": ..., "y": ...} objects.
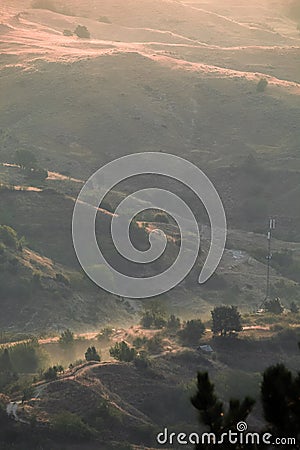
[{"x": 272, "y": 226}]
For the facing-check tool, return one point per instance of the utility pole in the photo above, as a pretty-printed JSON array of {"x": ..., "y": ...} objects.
[{"x": 272, "y": 226}]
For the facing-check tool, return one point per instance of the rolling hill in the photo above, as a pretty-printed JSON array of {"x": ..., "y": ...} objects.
[{"x": 171, "y": 76}]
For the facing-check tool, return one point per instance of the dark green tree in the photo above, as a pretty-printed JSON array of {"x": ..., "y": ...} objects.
[
  {"x": 92, "y": 355},
  {"x": 212, "y": 412},
  {"x": 274, "y": 306},
  {"x": 192, "y": 332},
  {"x": 147, "y": 320},
  {"x": 226, "y": 319},
  {"x": 122, "y": 352},
  {"x": 66, "y": 337},
  {"x": 280, "y": 396},
  {"x": 51, "y": 373}
]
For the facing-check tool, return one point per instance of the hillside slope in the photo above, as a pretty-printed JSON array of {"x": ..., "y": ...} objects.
[{"x": 173, "y": 76}]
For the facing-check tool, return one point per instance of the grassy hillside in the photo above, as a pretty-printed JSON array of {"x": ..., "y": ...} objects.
[
  {"x": 179, "y": 77},
  {"x": 217, "y": 83},
  {"x": 39, "y": 295},
  {"x": 114, "y": 402}
]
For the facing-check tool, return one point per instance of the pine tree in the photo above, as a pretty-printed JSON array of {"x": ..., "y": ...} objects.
[
  {"x": 212, "y": 412},
  {"x": 92, "y": 355},
  {"x": 67, "y": 338},
  {"x": 280, "y": 396}
]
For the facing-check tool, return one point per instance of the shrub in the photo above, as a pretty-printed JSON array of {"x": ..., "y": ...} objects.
[
  {"x": 147, "y": 320},
  {"x": 154, "y": 315},
  {"x": 262, "y": 85},
  {"x": 274, "y": 306},
  {"x": 276, "y": 328},
  {"x": 51, "y": 373},
  {"x": 67, "y": 33},
  {"x": 104, "y": 19},
  {"x": 122, "y": 352},
  {"x": 105, "y": 334},
  {"x": 76, "y": 363},
  {"x": 82, "y": 32},
  {"x": 62, "y": 279},
  {"x": 37, "y": 174},
  {"x": 173, "y": 323},
  {"x": 141, "y": 361},
  {"x": 139, "y": 342},
  {"x": 66, "y": 337},
  {"x": 154, "y": 345},
  {"x": 192, "y": 332}
]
